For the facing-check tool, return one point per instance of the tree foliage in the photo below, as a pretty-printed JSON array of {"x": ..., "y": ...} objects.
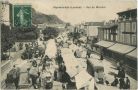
[
  {"x": 7, "y": 38},
  {"x": 30, "y": 33},
  {"x": 50, "y": 32}
]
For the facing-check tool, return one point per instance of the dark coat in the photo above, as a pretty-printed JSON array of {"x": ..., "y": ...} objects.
[
  {"x": 122, "y": 83},
  {"x": 66, "y": 78},
  {"x": 121, "y": 73},
  {"x": 62, "y": 68},
  {"x": 59, "y": 59},
  {"x": 115, "y": 82},
  {"x": 127, "y": 84}
]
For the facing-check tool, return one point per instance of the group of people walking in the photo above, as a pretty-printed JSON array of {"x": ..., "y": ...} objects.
[
  {"x": 42, "y": 74},
  {"x": 13, "y": 77},
  {"x": 120, "y": 79},
  {"x": 37, "y": 75}
]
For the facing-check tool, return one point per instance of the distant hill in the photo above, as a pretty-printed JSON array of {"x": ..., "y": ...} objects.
[{"x": 39, "y": 18}]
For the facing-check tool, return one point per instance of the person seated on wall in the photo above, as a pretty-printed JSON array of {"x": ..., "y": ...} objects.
[{"x": 115, "y": 82}]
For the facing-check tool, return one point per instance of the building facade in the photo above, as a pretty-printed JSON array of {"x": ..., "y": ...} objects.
[
  {"x": 117, "y": 40},
  {"x": 108, "y": 32},
  {"x": 127, "y": 27}
]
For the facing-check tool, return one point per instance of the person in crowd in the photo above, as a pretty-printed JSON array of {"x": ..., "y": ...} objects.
[
  {"x": 43, "y": 67},
  {"x": 55, "y": 75},
  {"x": 34, "y": 62},
  {"x": 44, "y": 62},
  {"x": 34, "y": 79},
  {"x": 20, "y": 46},
  {"x": 118, "y": 65},
  {"x": 8, "y": 80},
  {"x": 96, "y": 76},
  {"x": 115, "y": 82},
  {"x": 59, "y": 59},
  {"x": 101, "y": 77},
  {"x": 105, "y": 79},
  {"x": 13, "y": 77},
  {"x": 75, "y": 54},
  {"x": 59, "y": 73},
  {"x": 121, "y": 73},
  {"x": 48, "y": 63},
  {"x": 101, "y": 57},
  {"x": 65, "y": 80},
  {"x": 122, "y": 83},
  {"x": 62, "y": 69},
  {"x": 107, "y": 82},
  {"x": 33, "y": 75},
  {"x": 88, "y": 54},
  {"x": 38, "y": 81},
  {"x": 28, "y": 78},
  {"x": 95, "y": 87},
  {"x": 127, "y": 83},
  {"x": 16, "y": 76}
]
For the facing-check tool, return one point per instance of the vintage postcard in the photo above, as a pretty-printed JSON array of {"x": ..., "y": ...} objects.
[{"x": 68, "y": 44}]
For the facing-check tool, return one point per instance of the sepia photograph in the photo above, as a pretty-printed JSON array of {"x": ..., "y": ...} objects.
[{"x": 68, "y": 44}]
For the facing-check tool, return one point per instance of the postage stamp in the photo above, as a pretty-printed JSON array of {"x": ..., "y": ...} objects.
[{"x": 22, "y": 15}]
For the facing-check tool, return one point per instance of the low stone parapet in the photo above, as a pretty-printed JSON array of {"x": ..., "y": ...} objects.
[{"x": 5, "y": 68}]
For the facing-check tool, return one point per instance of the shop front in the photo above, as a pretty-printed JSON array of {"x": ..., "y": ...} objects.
[
  {"x": 126, "y": 55},
  {"x": 131, "y": 63},
  {"x": 118, "y": 51}
]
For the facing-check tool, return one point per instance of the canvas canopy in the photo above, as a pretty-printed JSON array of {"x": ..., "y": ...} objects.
[
  {"x": 133, "y": 54},
  {"x": 105, "y": 44},
  {"x": 121, "y": 48},
  {"x": 71, "y": 65},
  {"x": 84, "y": 79},
  {"x": 51, "y": 49}
]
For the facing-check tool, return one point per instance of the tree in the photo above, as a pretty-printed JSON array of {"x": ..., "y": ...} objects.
[
  {"x": 7, "y": 38},
  {"x": 50, "y": 32},
  {"x": 30, "y": 33}
]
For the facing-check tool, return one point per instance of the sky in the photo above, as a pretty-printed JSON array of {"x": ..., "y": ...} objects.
[{"x": 75, "y": 15}]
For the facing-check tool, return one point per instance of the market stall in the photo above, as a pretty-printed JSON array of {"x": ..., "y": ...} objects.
[
  {"x": 84, "y": 81},
  {"x": 51, "y": 49}
]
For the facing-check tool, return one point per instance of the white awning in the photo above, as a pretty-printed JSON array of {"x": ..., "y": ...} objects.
[
  {"x": 72, "y": 65},
  {"x": 133, "y": 54},
  {"x": 105, "y": 44},
  {"x": 121, "y": 48},
  {"x": 83, "y": 79},
  {"x": 51, "y": 49}
]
